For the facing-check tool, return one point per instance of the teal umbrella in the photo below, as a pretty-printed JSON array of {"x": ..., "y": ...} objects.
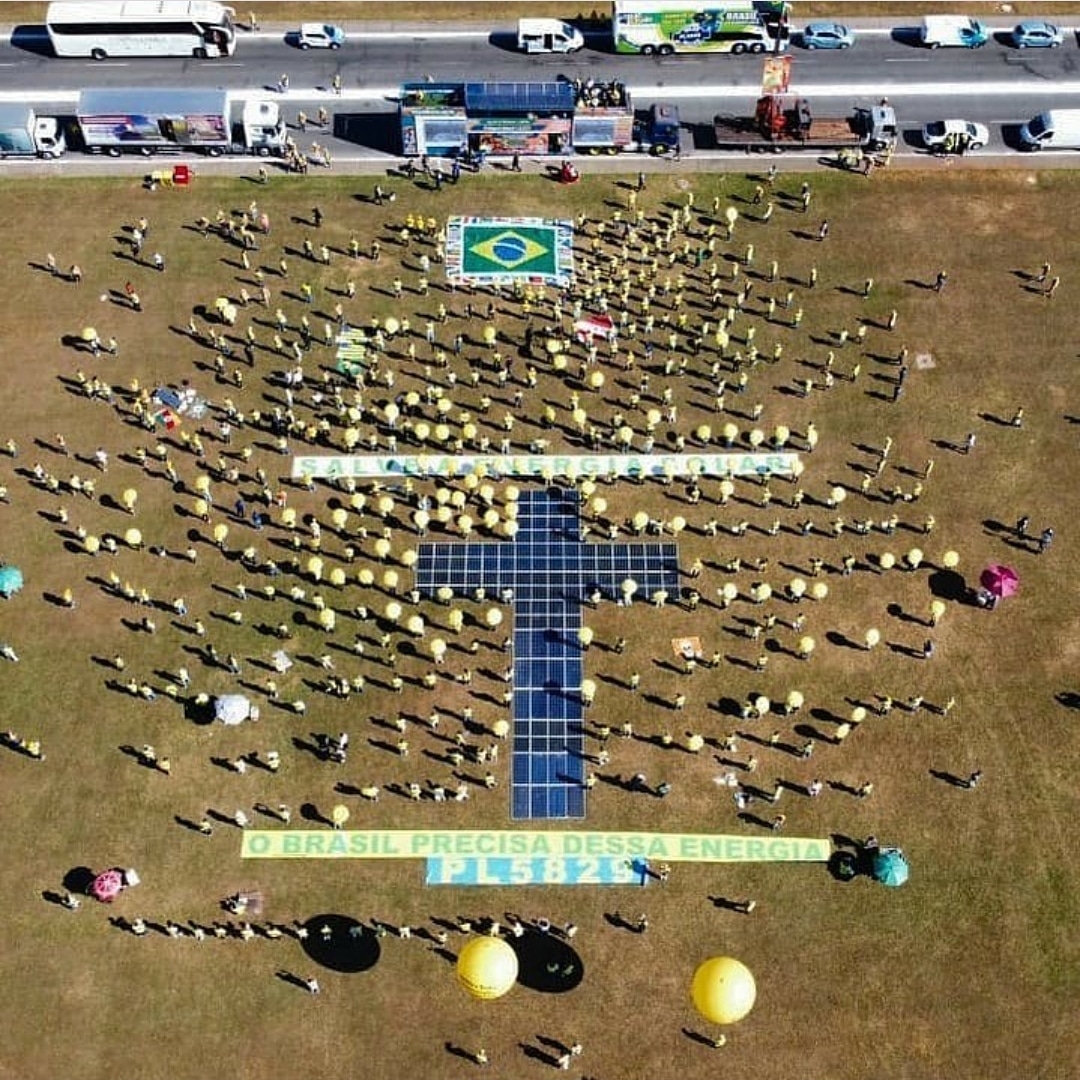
[
  {"x": 11, "y": 581},
  {"x": 890, "y": 867}
]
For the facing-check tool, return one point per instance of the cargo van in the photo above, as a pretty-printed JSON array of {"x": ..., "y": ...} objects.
[
  {"x": 953, "y": 30},
  {"x": 548, "y": 36},
  {"x": 1056, "y": 129}
]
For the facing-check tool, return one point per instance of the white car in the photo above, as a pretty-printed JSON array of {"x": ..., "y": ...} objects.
[
  {"x": 320, "y": 36},
  {"x": 955, "y": 136}
]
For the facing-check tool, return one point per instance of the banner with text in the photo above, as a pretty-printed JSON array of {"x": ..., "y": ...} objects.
[
  {"x": 379, "y": 466},
  {"x": 426, "y": 844}
]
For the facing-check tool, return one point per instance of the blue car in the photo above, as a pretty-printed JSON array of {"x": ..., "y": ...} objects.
[
  {"x": 1034, "y": 34},
  {"x": 825, "y": 35}
]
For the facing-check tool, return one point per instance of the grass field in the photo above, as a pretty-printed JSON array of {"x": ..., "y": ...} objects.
[{"x": 970, "y": 970}]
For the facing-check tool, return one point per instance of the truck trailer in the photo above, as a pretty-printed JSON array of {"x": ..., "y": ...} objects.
[
  {"x": 534, "y": 119},
  {"x": 152, "y": 121},
  {"x": 23, "y": 133},
  {"x": 781, "y": 122}
]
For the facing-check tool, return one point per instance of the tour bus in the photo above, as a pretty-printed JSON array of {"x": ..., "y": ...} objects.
[
  {"x": 110, "y": 28},
  {"x": 663, "y": 27}
]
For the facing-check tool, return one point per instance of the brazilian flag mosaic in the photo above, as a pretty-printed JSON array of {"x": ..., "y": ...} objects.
[{"x": 504, "y": 250}]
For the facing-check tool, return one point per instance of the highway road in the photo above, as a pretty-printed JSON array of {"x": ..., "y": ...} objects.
[{"x": 997, "y": 85}]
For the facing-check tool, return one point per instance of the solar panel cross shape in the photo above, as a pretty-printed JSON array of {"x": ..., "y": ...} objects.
[{"x": 547, "y": 572}]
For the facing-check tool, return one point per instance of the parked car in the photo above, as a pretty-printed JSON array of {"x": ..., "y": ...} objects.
[
  {"x": 1034, "y": 34},
  {"x": 955, "y": 136},
  {"x": 320, "y": 36},
  {"x": 827, "y": 35}
]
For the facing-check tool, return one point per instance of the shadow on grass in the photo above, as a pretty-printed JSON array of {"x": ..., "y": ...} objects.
[
  {"x": 547, "y": 963},
  {"x": 341, "y": 943}
]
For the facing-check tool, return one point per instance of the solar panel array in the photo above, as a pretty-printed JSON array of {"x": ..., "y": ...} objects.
[{"x": 547, "y": 572}]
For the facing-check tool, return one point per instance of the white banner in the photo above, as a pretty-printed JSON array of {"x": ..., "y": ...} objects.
[{"x": 556, "y": 466}]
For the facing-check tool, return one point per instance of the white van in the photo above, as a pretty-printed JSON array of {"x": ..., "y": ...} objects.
[
  {"x": 953, "y": 30},
  {"x": 548, "y": 36},
  {"x": 1055, "y": 129}
]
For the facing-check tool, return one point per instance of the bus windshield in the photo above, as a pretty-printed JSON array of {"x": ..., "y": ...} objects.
[{"x": 100, "y": 29}]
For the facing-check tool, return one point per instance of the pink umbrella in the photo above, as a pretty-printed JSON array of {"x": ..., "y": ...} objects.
[
  {"x": 107, "y": 886},
  {"x": 1000, "y": 581}
]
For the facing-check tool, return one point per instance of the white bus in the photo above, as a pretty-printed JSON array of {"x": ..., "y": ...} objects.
[{"x": 102, "y": 28}]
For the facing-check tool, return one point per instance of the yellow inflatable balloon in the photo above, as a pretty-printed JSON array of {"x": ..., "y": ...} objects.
[
  {"x": 487, "y": 968},
  {"x": 723, "y": 990}
]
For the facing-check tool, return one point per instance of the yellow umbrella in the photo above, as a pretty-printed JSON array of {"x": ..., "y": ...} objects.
[
  {"x": 500, "y": 729},
  {"x": 694, "y": 744},
  {"x": 806, "y": 646},
  {"x": 493, "y": 617},
  {"x": 444, "y": 594},
  {"x": 382, "y": 548},
  {"x": 315, "y": 568},
  {"x": 91, "y": 545},
  {"x": 914, "y": 557},
  {"x": 703, "y": 433},
  {"x": 221, "y": 532},
  {"x": 337, "y": 577},
  {"x": 202, "y": 483},
  {"x": 819, "y": 590},
  {"x": 133, "y": 538},
  {"x": 393, "y": 610},
  {"x": 950, "y": 560},
  {"x": 858, "y": 714},
  {"x": 490, "y": 335},
  {"x": 202, "y": 508},
  {"x": 365, "y": 577},
  {"x": 339, "y": 815},
  {"x": 585, "y": 636},
  {"x": 129, "y": 498},
  {"x": 510, "y": 529},
  {"x": 390, "y": 579},
  {"x": 887, "y": 560},
  {"x": 288, "y": 517},
  {"x": 89, "y": 334},
  {"x": 408, "y": 557},
  {"x": 596, "y": 379},
  {"x": 794, "y": 701},
  {"x": 415, "y": 625},
  {"x": 391, "y": 325},
  {"x": 871, "y": 638},
  {"x": 328, "y": 619},
  {"x": 340, "y": 517},
  {"x": 421, "y": 519},
  {"x": 438, "y": 648}
]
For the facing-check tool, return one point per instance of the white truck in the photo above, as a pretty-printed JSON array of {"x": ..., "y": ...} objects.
[
  {"x": 548, "y": 36},
  {"x": 957, "y": 31},
  {"x": 23, "y": 133},
  {"x": 151, "y": 121},
  {"x": 1056, "y": 129}
]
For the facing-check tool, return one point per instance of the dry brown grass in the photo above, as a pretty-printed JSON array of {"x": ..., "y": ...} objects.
[{"x": 969, "y": 971}]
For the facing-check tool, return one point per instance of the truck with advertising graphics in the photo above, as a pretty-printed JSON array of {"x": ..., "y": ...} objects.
[
  {"x": 784, "y": 122},
  {"x": 23, "y": 133},
  {"x": 665, "y": 27},
  {"x": 152, "y": 121},
  {"x": 473, "y": 121}
]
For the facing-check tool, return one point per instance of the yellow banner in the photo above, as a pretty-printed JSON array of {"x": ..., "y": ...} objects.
[{"x": 423, "y": 844}]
